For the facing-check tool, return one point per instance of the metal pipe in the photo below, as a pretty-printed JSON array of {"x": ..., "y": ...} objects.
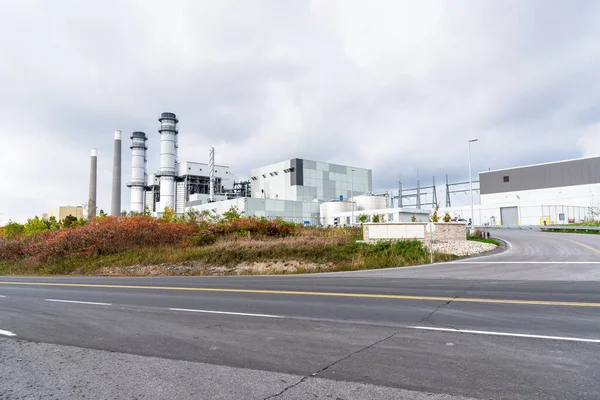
[
  {"x": 211, "y": 167},
  {"x": 471, "y": 183},
  {"x": 93, "y": 184},
  {"x": 115, "y": 205},
  {"x": 352, "y": 195}
]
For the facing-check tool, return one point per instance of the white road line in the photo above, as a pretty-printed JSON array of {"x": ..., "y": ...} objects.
[
  {"x": 569, "y": 339},
  {"x": 80, "y": 302},
  {"x": 524, "y": 262},
  {"x": 7, "y": 333},
  {"x": 2, "y": 295},
  {"x": 227, "y": 313}
]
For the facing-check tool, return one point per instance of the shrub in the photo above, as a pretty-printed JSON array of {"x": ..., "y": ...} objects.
[
  {"x": 13, "y": 230},
  {"x": 362, "y": 218},
  {"x": 447, "y": 217},
  {"x": 106, "y": 235},
  {"x": 375, "y": 218},
  {"x": 202, "y": 238},
  {"x": 34, "y": 226},
  {"x": 434, "y": 217},
  {"x": 413, "y": 219}
]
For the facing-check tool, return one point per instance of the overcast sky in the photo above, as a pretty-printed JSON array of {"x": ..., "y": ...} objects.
[{"x": 388, "y": 85}]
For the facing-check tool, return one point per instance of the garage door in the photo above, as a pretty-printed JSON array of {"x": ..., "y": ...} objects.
[{"x": 509, "y": 216}]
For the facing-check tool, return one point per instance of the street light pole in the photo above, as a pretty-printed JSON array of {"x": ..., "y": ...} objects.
[
  {"x": 352, "y": 196},
  {"x": 471, "y": 184}
]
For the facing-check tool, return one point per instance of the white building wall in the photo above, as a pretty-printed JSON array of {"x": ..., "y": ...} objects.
[
  {"x": 534, "y": 206},
  {"x": 320, "y": 181},
  {"x": 293, "y": 211},
  {"x": 389, "y": 215}
]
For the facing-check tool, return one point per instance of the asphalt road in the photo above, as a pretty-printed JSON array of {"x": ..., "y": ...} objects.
[{"x": 524, "y": 323}]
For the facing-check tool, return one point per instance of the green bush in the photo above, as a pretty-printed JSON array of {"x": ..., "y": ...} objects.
[{"x": 202, "y": 238}]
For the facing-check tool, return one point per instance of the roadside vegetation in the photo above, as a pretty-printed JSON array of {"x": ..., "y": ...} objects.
[
  {"x": 195, "y": 244},
  {"x": 484, "y": 240},
  {"x": 578, "y": 229}
]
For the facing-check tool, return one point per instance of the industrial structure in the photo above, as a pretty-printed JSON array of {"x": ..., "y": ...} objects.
[
  {"x": 321, "y": 193},
  {"x": 138, "y": 171},
  {"x": 115, "y": 206},
  {"x": 62, "y": 212},
  {"x": 176, "y": 185},
  {"x": 552, "y": 193},
  {"x": 92, "y": 195}
]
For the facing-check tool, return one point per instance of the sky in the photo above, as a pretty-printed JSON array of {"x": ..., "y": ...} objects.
[{"x": 395, "y": 86}]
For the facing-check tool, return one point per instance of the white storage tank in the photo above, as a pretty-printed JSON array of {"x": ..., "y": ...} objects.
[
  {"x": 367, "y": 202},
  {"x": 330, "y": 209}
]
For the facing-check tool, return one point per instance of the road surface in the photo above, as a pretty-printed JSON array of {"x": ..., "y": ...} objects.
[{"x": 524, "y": 323}]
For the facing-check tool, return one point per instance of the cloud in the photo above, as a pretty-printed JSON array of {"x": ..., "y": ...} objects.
[{"x": 389, "y": 85}]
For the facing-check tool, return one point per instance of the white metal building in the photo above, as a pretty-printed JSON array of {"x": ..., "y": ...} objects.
[
  {"x": 305, "y": 180},
  {"x": 553, "y": 193}
]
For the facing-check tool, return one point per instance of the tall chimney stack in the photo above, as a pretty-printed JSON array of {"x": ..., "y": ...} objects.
[
  {"x": 93, "y": 184},
  {"x": 138, "y": 171},
  {"x": 168, "y": 158},
  {"x": 115, "y": 207}
]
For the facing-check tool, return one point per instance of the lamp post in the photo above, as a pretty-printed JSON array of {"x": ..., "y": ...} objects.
[
  {"x": 471, "y": 184},
  {"x": 352, "y": 197}
]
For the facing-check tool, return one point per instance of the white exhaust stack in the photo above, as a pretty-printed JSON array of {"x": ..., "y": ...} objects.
[
  {"x": 211, "y": 167},
  {"x": 93, "y": 185},
  {"x": 138, "y": 171},
  {"x": 115, "y": 205},
  {"x": 168, "y": 158}
]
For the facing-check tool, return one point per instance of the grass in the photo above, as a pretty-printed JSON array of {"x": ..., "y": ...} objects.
[
  {"x": 482, "y": 240},
  {"x": 567, "y": 230},
  {"x": 314, "y": 254}
]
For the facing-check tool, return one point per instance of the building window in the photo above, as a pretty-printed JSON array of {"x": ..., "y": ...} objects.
[
  {"x": 390, "y": 217},
  {"x": 506, "y": 179}
]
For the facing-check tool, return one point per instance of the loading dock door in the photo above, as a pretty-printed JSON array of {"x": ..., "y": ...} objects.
[{"x": 509, "y": 216}]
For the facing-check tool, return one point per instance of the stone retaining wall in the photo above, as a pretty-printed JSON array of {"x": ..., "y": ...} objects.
[{"x": 414, "y": 230}]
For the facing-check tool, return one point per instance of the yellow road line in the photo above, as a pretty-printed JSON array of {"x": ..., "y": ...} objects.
[
  {"x": 584, "y": 246},
  {"x": 331, "y": 294}
]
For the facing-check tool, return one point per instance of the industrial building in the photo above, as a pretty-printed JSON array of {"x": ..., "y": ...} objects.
[
  {"x": 306, "y": 180},
  {"x": 60, "y": 213},
  {"x": 294, "y": 189},
  {"x": 552, "y": 193},
  {"x": 176, "y": 185},
  {"x": 321, "y": 193}
]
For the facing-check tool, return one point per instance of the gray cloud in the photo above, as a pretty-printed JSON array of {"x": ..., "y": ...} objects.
[{"x": 389, "y": 85}]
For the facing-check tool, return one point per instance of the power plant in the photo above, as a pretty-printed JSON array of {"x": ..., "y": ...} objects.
[{"x": 321, "y": 193}]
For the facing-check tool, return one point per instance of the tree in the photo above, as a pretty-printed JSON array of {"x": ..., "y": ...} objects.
[
  {"x": 52, "y": 224},
  {"x": 69, "y": 221},
  {"x": 447, "y": 217},
  {"x": 375, "y": 218},
  {"x": 169, "y": 215},
  {"x": 102, "y": 214},
  {"x": 434, "y": 217},
  {"x": 34, "y": 226},
  {"x": 362, "y": 218},
  {"x": 233, "y": 214},
  {"x": 413, "y": 219},
  {"x": 13, "y": 230}
]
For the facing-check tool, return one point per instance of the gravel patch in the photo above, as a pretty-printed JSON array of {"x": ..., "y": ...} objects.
[{"x": 462, "y": 248}]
